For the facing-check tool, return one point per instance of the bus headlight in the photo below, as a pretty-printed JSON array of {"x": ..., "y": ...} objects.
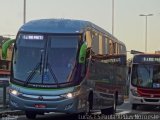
[
  {"x": 70, "y": 95},
  {"x": 14, "y": 92},
  {"x": 134, "y": 92}
]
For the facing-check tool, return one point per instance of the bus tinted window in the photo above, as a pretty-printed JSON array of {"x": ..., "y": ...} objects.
[
  {"x": 146, "y": 75},
  {"x": 59, "y": 53},
  {"x": 64, "y": 41}
]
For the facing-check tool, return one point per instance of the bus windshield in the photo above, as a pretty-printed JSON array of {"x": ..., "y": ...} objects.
[
  {"x": 146, "y": 75},
  {"x": 45, "y": 59}
]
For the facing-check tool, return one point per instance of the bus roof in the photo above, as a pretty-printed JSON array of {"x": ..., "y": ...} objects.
[
  {"x": 62, "y": 26},
  {"x": 55, "y": 26}
]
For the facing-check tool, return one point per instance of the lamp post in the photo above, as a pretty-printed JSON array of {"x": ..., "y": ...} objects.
[
  {"x": 146, "y": 28},
  {"x": 112, "y": 17},
  {"x": 24, "y": 12}
]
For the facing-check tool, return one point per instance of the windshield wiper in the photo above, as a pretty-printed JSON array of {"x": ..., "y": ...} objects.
[
  {"x": 53, "y": 74},
  {"x": 31, "y": 74},
  {"x": 51, "y": 71},
  {"x": 41, "y": 64},
  {"x": 34, "y": 71}
]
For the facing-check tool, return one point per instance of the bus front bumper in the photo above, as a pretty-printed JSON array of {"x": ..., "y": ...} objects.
[
  {"x": 64, "y": 105},
  {"x": 144, "y": 100}
]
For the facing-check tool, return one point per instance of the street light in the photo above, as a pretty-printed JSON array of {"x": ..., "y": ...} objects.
[
  {"x": 112, "y": 17},
  {"x": 146, "y": 29},
  {"x": 24, "y": 12}
]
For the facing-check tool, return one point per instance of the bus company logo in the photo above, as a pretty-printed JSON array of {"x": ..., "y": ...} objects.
[
  {"x": 40, "y": 98},
  {"x": 152, "y": 95}
]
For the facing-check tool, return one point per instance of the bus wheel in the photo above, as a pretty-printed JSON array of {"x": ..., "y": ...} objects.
[
  {"x": 30, "y": 115},
  {"x": 108, "y": 111},
  {"x": 90, "y": 102},
  {"x": 87, "y": 107},
  {"x": 111, "y": 110},
  {"x": 134, "y": 106},
  {"x": 115, "y": 103}
]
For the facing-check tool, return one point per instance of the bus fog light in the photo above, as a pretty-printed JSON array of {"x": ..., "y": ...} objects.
[
  {"x": 14, "y": 103},
  {"x": 68, "y": 106}
]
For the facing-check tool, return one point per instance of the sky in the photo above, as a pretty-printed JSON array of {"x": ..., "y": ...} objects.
[{"x": 129, "y": 27}]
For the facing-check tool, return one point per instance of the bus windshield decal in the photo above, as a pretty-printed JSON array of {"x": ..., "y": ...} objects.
[{"x": 156, "y": 85}]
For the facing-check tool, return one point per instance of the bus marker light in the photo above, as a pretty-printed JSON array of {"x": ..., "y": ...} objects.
[{"x": 68, "y": 106}]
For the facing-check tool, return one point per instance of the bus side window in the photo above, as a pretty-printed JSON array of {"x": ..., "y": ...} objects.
[
  {"x": 110, "y": 47},
  {"x": 95, "y": 43},
  {"x": 120, "y": 48},
  {"x": 106, "y": 46},
  {"x": 116, "y": 48},
  {"x": 88, "y": 39},
  {"x": 100, "y": 44}
]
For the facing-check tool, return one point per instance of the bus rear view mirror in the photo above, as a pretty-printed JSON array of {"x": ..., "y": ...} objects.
[{"x": 82, "y": 54}]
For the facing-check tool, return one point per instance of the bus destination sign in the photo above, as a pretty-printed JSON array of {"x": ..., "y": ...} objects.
[
  {"x": 116, "y": 59},
  {"x": 32, "y": 37},
  {"x": 151, "y": 59},
  {"x": 146, "y": 59}
]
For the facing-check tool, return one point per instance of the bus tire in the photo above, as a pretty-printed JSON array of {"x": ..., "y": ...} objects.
[
  {"x": 90, "y": 102},
  {"x": 134, "y": 106},
  {"x": 115, "y": 103},
  {"x": 111, "y": 110},
  {"x": 30, "y": 115},
  {"x": 107, "y": 111}
]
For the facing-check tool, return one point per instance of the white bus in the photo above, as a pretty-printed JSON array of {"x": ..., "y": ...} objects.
[{"x": 144, "y": 75}]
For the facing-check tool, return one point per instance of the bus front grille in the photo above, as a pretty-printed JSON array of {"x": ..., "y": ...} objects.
[{"x": 151, "y": 100}]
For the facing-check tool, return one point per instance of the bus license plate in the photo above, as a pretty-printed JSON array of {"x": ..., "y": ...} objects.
[{"x": 40, "y": 106}]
